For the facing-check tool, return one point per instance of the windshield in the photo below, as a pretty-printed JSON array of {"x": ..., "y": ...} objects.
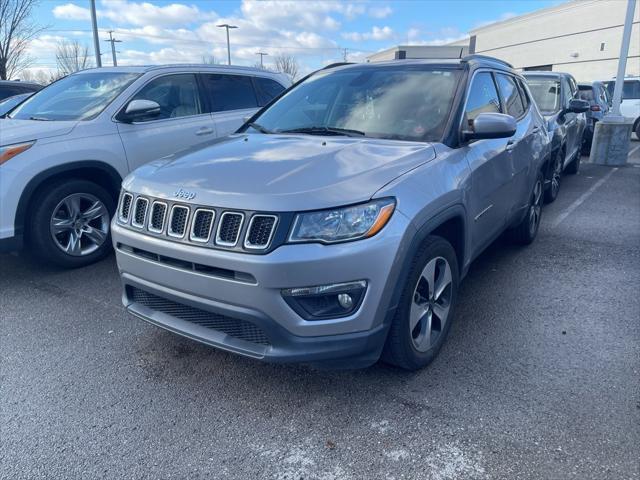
[
  {"x": 403, "y": 103},
  {"x": 546, "y": 93},
  {"x": 10, "y": 102},
  {"x": 76, "y": 97}
]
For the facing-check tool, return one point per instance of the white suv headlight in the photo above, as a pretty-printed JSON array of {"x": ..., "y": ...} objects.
[
  {"x": 9, "y": 151},
  {"x": 342, "y": 224}
]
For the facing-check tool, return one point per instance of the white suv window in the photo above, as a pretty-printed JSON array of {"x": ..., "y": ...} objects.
[
  {"x": 177, "y": 96},
  {"x": 230, "y": 92}
]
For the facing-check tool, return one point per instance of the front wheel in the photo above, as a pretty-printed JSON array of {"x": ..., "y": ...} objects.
[
  {"x": 553, "y": 177},
  {"x": 425, "y": 312},
  {"x": 69, "y": 224},
  {"x": 525, "y": 232}
]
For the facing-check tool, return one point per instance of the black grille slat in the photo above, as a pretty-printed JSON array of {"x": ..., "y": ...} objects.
[
  {"x": 234, "y": 327},
  {"x": 140, "y": 211},
  {"x": 178, "y": 222},
  {"x": 125, "y": 207},
  {"x": 260, "y": 231},
  {"x": 158, "y": 213},
  {"x": 202, "y": 222},
  {"x": 229, "y": 228}
]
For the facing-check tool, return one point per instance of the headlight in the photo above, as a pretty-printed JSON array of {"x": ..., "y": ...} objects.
[
  {"x": 9, "y": 151},
  {"x": 342, "y": 224}
]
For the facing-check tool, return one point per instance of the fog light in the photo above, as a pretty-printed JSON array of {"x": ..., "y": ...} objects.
[
  {"x": 326, "y": 301},
  {"x": 345, "y": 301}
]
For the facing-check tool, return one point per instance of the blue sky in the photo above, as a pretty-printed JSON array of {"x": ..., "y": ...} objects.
[{"x": 315, "y": 32}]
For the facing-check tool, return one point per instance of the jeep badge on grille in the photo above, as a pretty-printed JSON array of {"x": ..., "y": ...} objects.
[{"x": 181, "y": 193}]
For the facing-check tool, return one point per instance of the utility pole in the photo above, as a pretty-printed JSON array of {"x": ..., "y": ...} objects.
[
  {"x": 96, "y": 40},
  {"x": 622, "y": 61},
  {"x": 113, "y": 42},
  {"x": 262, "y": 54},
  {"x": 227, "y": 26}
]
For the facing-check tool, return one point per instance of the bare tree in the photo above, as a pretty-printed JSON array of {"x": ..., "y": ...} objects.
[
  {"x": 71, "y": 57},
  {"x": 209, "y": 60},
  {"x": 287, "y": 64},
  {"x": 17, "y": 29}
]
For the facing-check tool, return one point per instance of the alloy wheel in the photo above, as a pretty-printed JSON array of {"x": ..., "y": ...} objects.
[
  {"x": 536, "y": 207},
  {"x": 555, "y": 176},
  {"x": 430, "y": 304},
  {"x": 79, "y": 224}
]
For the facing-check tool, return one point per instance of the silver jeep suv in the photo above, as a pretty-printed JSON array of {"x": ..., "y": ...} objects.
[{"x": 334, "y": 227}]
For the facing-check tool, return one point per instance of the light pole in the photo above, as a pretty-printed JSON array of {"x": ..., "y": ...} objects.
[
  {"x": 262, "y": 54},
  {"x": 227, "y": 26},
  {"x": 113, "y": 42},
  {"x": 96, "y": 40}
]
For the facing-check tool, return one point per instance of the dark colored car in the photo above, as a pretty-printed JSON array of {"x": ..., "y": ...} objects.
[
  {"x": 9, "y": 103},
  {"x": 9, "y": 88},
  {"x": 597, "y": 95},
  {"x": 557, "y": 97}
]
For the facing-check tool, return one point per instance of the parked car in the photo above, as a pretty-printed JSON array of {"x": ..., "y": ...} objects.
[
  {"x": 597, "y": 95},
  {"x": 630, "y": 106},
  {"x": 556, "y": 95},
  {"x": 337, "y": 223},
  {"x": 9, "y": 88},
  {"x": 9, "y": 103},
  {"x": 65, "y": 150}
]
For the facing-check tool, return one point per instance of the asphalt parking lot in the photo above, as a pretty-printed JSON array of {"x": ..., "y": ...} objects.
[{"x": 540, "y": 377}]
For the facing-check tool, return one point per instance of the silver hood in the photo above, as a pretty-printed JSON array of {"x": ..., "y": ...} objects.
[
  {"x": 16, "y": 131},
  {"x": 281, "y": 172}
]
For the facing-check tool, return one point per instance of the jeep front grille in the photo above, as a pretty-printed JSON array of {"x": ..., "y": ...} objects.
[
  {"x": 140, "y": 212},
  {"x": 229, "y": 228},
  {"x": 125, "y": 207},
  {"x": 201, "y": 225},
  {"x": 157, "y": 216},
  {"x": 260, "y": 231},
  {"x": 234, "y": 327},
  {"x": 178, "y": 221}
]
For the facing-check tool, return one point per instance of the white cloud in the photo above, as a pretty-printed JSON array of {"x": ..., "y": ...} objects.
[
  {"x": 380, "y": 12},
  {"x": 71, "y": 11},
  {"x": 134, "y": 13},
  {"x": 376, "y": 33}
]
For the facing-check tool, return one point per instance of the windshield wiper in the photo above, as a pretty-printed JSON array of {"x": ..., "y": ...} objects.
[
  {"x": 259, "y": 127},
  {"x": 40, "y": 119},
  {"x": 325, "y": 131}
]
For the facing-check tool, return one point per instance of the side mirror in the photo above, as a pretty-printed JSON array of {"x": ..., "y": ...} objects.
[
  {"x": 140, "y": 110},
  {"x": 578, "y": 106},
  {"x": 491, "y": 125}
]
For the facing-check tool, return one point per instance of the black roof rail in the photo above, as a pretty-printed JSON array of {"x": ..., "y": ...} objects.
[
  {"x": 476, "y": 56},
  {"x": 337, "y": 64}
]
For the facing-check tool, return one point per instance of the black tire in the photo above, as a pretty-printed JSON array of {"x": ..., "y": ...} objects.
[
  {"x": 553, "y": 176},
  {"x": 39, "y": 228},
  {"x": 400, "y": 349},
  {"x": 638, "y": 130},
  {"x": 574, "y": 166},
  {"x": 525, "y": 232}
]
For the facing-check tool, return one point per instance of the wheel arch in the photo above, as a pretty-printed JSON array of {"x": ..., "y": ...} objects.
[{"x": 96, "y": 171}]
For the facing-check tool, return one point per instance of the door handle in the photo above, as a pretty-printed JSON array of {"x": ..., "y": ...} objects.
[
  {"x": 204, "y": 131},
  {"x": 510, "y": 145},
  {"x": 535, "y": 130}
]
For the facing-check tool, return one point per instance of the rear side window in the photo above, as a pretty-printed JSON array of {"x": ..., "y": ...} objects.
[
  {"x": 230, "y": 92},
  {"x": 267, "y": 89},
  {"x": 510, "y": 95},
  {"x": 483, "y": 97},
  {"x": 631, "y": 90}
]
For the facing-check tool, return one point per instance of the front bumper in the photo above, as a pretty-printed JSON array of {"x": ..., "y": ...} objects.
[{"x": 198, "y": 284}]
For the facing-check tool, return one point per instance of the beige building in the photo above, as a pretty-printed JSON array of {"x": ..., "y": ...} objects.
[
  {"x": 420, "y": 51},
  {"x": 581, "y": 37}
]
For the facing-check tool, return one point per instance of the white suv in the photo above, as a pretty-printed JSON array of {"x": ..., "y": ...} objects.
[
  {"x": 630, "y": 106},
  {"x": 65, "y": 151}
]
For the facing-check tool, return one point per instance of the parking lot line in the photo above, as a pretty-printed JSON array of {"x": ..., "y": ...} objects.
[
  {"x": 633, "y": 150},
  {"x": 582, "y": 198}
]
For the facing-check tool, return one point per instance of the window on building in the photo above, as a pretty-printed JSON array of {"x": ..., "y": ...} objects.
[{"x": 602, "y": 47}]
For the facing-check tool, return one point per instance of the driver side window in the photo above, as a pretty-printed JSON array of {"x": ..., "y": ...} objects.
[
  {"x": 177, "y": 96},
  {"x": 483, "y": 98}
]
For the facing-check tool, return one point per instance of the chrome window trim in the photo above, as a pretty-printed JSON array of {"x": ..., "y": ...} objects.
[
  {"x": 186, "y": 225},
  {"x": 122, "y": 219},
  {"x": 229, "y": 244},
  {"x": 249, "y": 245},
  {"x": 193, "y": 223},
  {"x": 164, "y": 218},
  {"x": 135, "y": 209}
]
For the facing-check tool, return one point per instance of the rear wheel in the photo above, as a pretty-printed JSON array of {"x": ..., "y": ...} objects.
[
  {"x": 425, "y": 312},
  {"x": 69, "y": 224},
  {"x": 638, "y": 129},
  {"x": 525, "y": 232}
]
